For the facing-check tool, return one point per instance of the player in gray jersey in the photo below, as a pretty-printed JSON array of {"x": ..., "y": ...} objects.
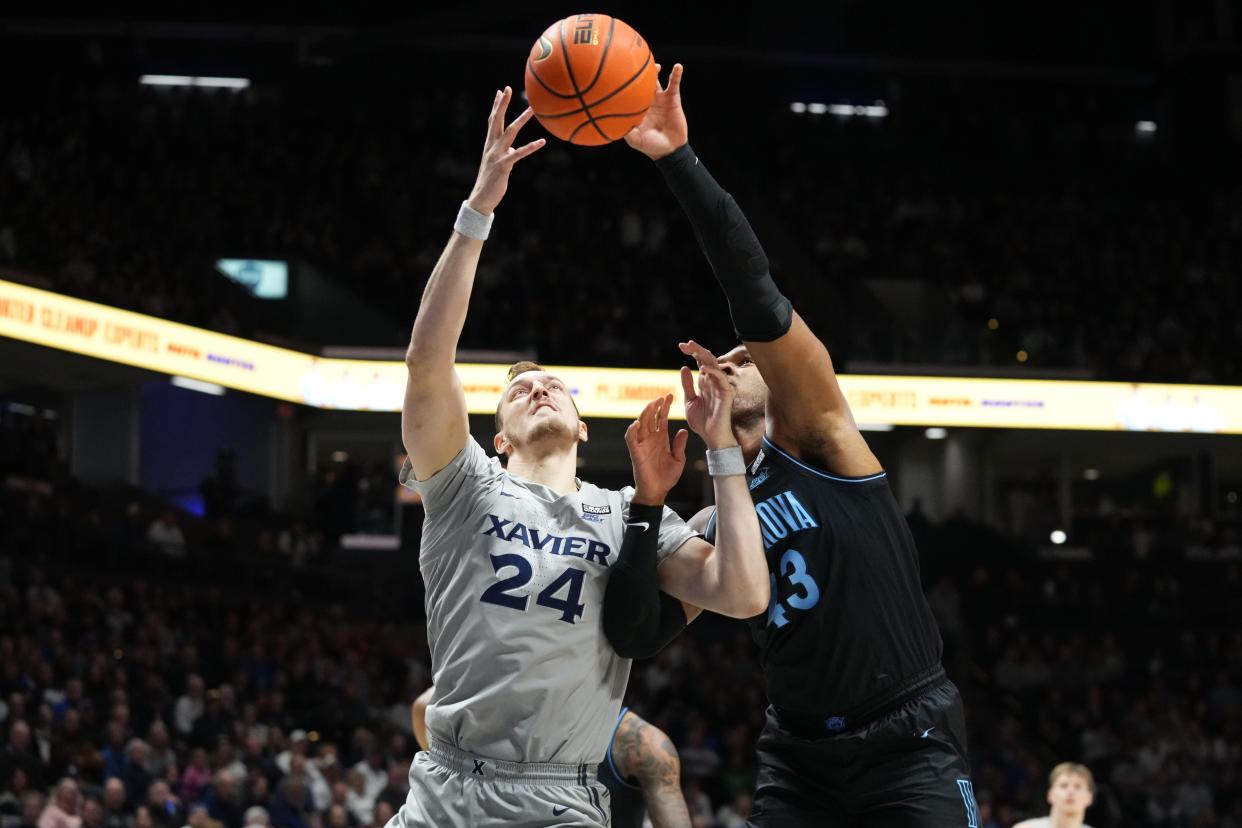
[
  {"x": 642, "y": 772},
  {"x": 516, "y": 559}
]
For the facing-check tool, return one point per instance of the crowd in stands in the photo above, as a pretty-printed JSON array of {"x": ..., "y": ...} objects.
[
  {"x": 162, "y": 671},
  {"x": 150, "y": 678},
  {"x": 895, "y": 242}
]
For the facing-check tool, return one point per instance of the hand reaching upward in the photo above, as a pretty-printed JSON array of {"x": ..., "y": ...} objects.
[
  {"x": 664, "y": 129},
  {"x": 709, "y": 411},
  {"x": 499, "y": 156},
  {"x": 657, "y": 465}
]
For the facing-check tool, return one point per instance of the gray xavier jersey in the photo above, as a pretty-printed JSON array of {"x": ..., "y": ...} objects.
[{"x": 515, "y": 578}]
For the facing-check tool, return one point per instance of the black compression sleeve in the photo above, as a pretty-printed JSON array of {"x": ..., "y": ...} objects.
[
  {"x": 760, "y": 313},
  {"x": 639, "y": 619}
]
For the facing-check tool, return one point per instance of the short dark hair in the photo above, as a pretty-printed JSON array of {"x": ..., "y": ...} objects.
[{"x": 519, "y": 367}]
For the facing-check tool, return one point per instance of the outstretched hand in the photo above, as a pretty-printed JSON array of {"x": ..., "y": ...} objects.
[
  {"x": 709, "y": 411},
  {"x": 499, "y": 155},
  {"x": 664, "y": 128},
  {"x": 657, "y": 465}
]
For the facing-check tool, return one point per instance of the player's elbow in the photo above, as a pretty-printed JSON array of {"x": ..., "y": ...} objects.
[
  {"x": 759, "y": 605},
  {"x": 755, "y": 604},
  {"x": 620, "y": 639},
  {"x": 416, "y": 360},
  {"x": 752, "y": 600},
  {"x": 428, "y": 360}
]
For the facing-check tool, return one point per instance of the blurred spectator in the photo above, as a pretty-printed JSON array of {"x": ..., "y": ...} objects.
[
  {"x": 190, "y": 706},
  {"x": 162, "y": 807},
  {"x": 73, "y": 753},
  {"x": 290, "y": 806},
  {"x": 16, "y": 787},
  {"x": 32, "y": 810},
  {"x": 161, "y": 761},
  {"x": 199, "y": 818},
  {"x": 62, "y": 811},
  {"x": 92, "y": 813},
  {"x": 196, "y": 776},
  {"x": 115, "y": 815},
  {"x": 19, "y": 752},
  {"x": 398, "y": 786},
  {"x": 222, "y": 800},
  {"x": 166, "y": 537},
  {"x": 134, "y": 773}
]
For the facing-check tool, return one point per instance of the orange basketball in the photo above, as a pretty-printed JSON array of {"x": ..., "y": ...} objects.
[{"x": 590, "y": 78}]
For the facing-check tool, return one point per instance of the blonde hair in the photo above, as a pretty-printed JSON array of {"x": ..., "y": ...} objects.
[{"x": 1074, "y": 769}]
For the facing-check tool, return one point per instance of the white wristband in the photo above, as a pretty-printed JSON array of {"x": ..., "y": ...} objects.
[
  {"x": 472, "y": 224},
  {"x": 725, "y": 462}
]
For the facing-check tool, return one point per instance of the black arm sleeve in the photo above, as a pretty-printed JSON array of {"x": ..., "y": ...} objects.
[
  {"x": 760, "y": 312},
  {"x": 639, "y": 619}
]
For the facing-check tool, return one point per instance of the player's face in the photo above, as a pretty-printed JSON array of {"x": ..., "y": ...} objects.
[
  {"x": 751, "y": 399},
  {"x": 536, "y": 407},
  {"x": 1070, "y": 794}
]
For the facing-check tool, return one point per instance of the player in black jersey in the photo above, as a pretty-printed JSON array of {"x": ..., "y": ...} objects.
[
  {"x": 863, "y": 728},
  {"x": 642, "y": 771}
]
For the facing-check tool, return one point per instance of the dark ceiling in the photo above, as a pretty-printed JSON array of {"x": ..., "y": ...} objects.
[{"x": 1100, "y": 33}]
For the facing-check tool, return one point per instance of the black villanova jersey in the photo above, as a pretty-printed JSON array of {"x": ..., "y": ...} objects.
[{"x": 848, "y": 631}]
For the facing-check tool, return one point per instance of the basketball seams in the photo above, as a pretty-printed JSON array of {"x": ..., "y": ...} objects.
[
  {"x": 602, "y": 117},
  {"x": 574, "y": 82},
  {"x": 530, "y": 68},
  {"x": 603, "y": 58},
  {"x": 616, "y": 91}
]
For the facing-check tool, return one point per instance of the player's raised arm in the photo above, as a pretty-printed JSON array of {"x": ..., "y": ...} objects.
[
  {"x": 434, "y": 424},
  {"x": 806, "y": 405},
  {"x": 731, "y": 576},
  {"x": 647, "y": 603}
]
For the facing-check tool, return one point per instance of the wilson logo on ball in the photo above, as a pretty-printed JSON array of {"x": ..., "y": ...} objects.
[
  {"x": 584, "y": 30},
  {"x": 590, "y": 79}
]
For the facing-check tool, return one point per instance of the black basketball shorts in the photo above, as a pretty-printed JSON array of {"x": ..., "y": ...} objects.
[{"x": 906, "y": 769}]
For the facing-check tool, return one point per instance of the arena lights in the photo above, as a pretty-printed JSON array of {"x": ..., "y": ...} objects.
[
  {"x": 1058, "y": 537},
  {"x": 199, "y": 385},
  {"x": 936, "y": 433},
  {"x": 206, "y": 82},
  {"x": 876, "y": 110},
  {"x": 42, "y": 317},
  {"x": 1145, "y": 128}
]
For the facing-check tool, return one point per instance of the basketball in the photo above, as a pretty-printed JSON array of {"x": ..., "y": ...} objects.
[{"x": 590, "y": 78}]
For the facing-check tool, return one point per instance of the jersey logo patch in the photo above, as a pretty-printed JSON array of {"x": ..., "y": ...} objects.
[
  {"x": 758, "y": 479},
  {"x": 588, "y": 509},
  {"x": 559, "y": 811}
]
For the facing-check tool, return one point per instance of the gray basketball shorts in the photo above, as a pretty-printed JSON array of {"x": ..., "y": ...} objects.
[{"x": 450, "y": 788}]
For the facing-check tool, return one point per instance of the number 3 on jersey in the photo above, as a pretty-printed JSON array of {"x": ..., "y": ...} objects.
[
  {"x": 501, "y": 592},
  {"x": 793, "y": 570}
]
